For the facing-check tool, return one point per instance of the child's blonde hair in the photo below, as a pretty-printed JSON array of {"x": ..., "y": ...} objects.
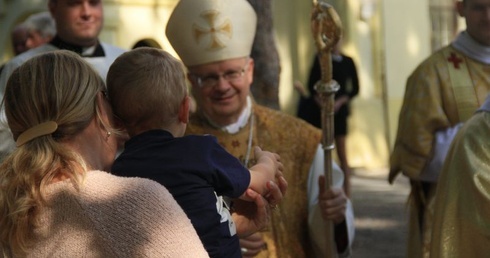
[{"x": 146, "y": 88}]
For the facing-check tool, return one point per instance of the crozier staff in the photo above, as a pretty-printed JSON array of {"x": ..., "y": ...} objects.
[{"x": 326, "y": 30}]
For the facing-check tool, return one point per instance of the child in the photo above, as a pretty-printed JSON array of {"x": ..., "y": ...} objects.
[{"x": 148, "y": 92}]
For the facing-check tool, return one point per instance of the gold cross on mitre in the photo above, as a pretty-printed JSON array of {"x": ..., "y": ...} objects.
[{"x": 225, "y": 28}]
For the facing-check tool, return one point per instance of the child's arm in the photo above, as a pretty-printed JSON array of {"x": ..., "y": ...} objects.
[{"x": 268, "y": 168}]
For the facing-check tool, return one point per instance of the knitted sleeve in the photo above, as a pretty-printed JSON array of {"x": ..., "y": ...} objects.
[{"x": 139, "y": 218}]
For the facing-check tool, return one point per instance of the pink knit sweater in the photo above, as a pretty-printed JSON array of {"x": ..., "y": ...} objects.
[{"x": 114, "y": 217}]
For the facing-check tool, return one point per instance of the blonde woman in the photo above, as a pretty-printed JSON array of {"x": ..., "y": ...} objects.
[{"x": 54, "y": 199}]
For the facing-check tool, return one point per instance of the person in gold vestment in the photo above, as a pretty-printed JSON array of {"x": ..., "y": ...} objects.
[
  {"x": 214, "y": 40},
  {"x": 462, "y": 200},
  {"x": 441, "y": 94}
]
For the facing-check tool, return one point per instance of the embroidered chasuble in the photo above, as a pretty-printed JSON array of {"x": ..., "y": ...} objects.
[
  {"x": 296, "y": 142},
  {"x": 430, "y": 105},
  {"x": 443, "y": 91},
  {"x": 462, "y": 203}
]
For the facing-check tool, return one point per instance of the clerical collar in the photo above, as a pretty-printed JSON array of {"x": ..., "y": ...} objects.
[
  {"x": 466, "y": 44},
  {"x": 94, "y": 51},
  {"x": 240, "y": 123}
]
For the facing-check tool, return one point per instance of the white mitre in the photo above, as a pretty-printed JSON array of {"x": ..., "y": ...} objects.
[{"x": 206, "y": 31}]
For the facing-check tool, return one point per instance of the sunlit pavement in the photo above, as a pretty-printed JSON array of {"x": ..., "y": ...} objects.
[{"x": 380, "y": 215}]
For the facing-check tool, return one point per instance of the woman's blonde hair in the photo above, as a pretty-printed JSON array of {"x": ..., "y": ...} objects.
[
  {"x": 60, "y": 87},
  {"x": 146, "y": 87}
]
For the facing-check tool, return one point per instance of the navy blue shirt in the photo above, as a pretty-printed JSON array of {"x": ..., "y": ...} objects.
[{"x": 193, "y": 168}]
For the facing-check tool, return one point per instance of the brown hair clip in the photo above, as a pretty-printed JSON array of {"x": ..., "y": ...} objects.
[{"x": 36, "y": 131}]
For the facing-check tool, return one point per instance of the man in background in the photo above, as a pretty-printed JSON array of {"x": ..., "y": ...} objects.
[
  {"x": 441, "y": 94},
  {"x": 36, "y": 30},
  {"x": 41, "y": 28}
]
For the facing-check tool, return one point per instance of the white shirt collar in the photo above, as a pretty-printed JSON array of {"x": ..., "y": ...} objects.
[
  {"x": 88, "y": 51},
  {"x": 466, "y": 44}
]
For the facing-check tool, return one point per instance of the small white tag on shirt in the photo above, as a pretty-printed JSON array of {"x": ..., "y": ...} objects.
[{"x": 223, "y": 209}]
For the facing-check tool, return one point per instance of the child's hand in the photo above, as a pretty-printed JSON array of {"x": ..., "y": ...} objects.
[
  {"x": 270, "y": 159},
  {"x": 266, "y": 177},
  {"x": 268, "y": 168}
]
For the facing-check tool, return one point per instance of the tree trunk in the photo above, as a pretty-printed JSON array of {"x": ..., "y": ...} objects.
[{"x": 265, "y": 87}]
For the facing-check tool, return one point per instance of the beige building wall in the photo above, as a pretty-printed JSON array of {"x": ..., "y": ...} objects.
[
  {"x": 407, "y": 45},
  {"x": 129, "y": 21},
  {"x": 386, "y": 38}
]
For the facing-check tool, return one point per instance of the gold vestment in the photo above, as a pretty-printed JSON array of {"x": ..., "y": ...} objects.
[
  {"x": 296, "y": 142},
  {"x": 462, "y": 203},
  {"x": 429, "y": 106}
]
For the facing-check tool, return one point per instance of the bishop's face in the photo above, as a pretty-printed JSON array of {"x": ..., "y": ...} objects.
[
  {"x": 221, "y": 88},
  {"x": 477, "y": 16}
]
